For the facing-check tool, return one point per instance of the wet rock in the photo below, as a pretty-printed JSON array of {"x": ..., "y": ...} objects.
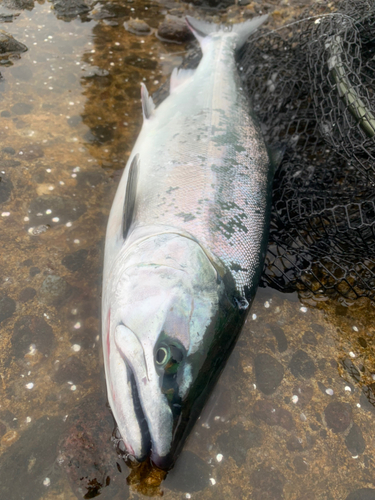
[
  {"x": 6, "y": 187},
  {"x": 338, "y": 416},
  {"x": 362, "y": 494},
  {"x": 34, "y": 271},
  {"x": 27, "y": 294},
  {"x": 351, "y": 369},
  {"x": 87, "y": 455},
  {"x": 272, "y": 414},
  {"x": 30, "y": 330},
  {"x": 268, "y": 373},
  {"x": 66, "y": 209},
  {"x": 54, "y": 290},
  {"x": 190, "y": 473},
  {"x": 71, "y": 370},
  {"x": 22, "y": 72},
  {"x": 9, "y": 150},
  {"x": 309, "y": 338},
  {"x": 237, "y": 441},
  {"x": 354, "y": 441},
  {"x": 7, "y": 308},
  {"x": 137, "y": 27},
  {"x": 18, "y": 4},
  {"x": 294, "y": 444},
  {"x": 69, "y": 9},
  {"x": 9, "y": 45},
  {"x": 22, "y": 108},
  {"x": 174, "y": 29},
  {"x": 282, "y": 343},
  {"x": 268, "y": 484},
  {"x": 74, "y": 261},
  {"x": 8, "y": 18},
  {"x": 24, "y": 459},
  {"x": 5, "y": 114},
  {"x": 301, "y": 365},
  {"x": 300, "y": 465},
  {"x": 304, "y": 393}
]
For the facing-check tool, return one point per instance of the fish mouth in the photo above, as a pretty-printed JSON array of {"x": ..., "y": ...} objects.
[
  {"x": 142, "y": 421},
  {"x": 145, "y": 416}
]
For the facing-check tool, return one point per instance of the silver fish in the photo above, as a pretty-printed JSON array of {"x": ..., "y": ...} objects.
[{"x": 184, "y": 250}]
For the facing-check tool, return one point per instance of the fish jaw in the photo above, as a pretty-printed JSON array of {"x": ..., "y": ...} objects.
[{"x": 157, "y": 307}]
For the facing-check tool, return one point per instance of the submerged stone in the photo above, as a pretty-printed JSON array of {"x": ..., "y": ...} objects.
[
  {"x": 27, "y": 294},
  {"x": 354, "y": 441},
  {"x": 74, "y": 261},
  {"x": 190, "y": 473},
  {"x": 69, "y": 9},
  {"x": 54, "y": 290},
  {"x": 65, "y": 208},
  {"x": 338, "y": 416},
  {"x": 9, "y": 45},
  {"x": 25, "y": 459},
  {"x": 22, "y": 108},
  {"x": 267, "y": 483},
  {"x": 301, "y": 365},
  {"x": 7, "y": 308},
  {"x": 238, "y": 440},
  {"x": 174, "y": 29},
  {"x": 31, "y": 330},
  {"x": 268, "y": 373},
  {"x": 272, "y": 414},
  {"x": 282, "y": 343},
  {"x": 137, "y": 27}
]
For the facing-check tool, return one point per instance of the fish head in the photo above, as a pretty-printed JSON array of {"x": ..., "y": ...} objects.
[{"x": 168, "y": 315}]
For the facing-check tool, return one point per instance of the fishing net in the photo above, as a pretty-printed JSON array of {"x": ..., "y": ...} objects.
[{"x": 313, "y": 89}]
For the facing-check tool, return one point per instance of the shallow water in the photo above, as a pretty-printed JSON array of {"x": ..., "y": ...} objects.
[{"x": 289, "y": 418}]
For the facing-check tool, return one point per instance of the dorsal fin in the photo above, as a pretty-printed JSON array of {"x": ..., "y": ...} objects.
[
  {"x": 180, "y": 76},
  {"x": 148, "y": 105},
  {"x": 130, "y": 196}
]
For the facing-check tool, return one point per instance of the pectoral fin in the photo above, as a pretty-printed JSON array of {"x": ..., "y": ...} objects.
[{"x": 130, "y": 196}]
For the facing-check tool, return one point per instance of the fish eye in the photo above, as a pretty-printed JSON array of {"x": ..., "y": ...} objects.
[{"x": 161, "y": 356}]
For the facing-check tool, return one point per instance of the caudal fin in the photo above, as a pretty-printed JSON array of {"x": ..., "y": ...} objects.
[{"x": 201, "y": 29}]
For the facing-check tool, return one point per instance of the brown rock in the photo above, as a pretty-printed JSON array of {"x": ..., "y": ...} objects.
[{"x": 174, "y": 29}]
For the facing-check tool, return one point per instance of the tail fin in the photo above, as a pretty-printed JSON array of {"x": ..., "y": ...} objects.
[{"x": 201, "y": 29}]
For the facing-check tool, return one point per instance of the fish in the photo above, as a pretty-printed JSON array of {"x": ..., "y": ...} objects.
[{"x": 185, "y": 247}]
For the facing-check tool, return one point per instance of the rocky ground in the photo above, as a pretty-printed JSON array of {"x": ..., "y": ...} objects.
[{"x": 292, "y": 416}]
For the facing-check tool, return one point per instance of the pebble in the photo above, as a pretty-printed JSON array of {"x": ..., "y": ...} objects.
[
  {"x": 301, "y": 365},
  {"x": 54, "y": 290},
  {"x": 137, "y": 27},
  {"x": 29, "y": 386},
  {"x": 354, "y": 441},
  {"x": 174, "y": 29},
  {"x": 338, "y": 416},
  {"x": 268, "y": 373}
]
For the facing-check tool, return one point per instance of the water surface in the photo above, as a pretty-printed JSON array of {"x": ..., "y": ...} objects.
[{"x": 291, "y": 416}]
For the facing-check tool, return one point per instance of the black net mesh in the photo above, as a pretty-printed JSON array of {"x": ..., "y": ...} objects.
[{"x": 312, "y": 85}]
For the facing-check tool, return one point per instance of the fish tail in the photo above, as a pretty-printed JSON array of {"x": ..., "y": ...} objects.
[{"x": 202, "y": 29}]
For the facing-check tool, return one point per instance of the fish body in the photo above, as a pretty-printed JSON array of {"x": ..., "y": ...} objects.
[{"x": 185, "y": 246}]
